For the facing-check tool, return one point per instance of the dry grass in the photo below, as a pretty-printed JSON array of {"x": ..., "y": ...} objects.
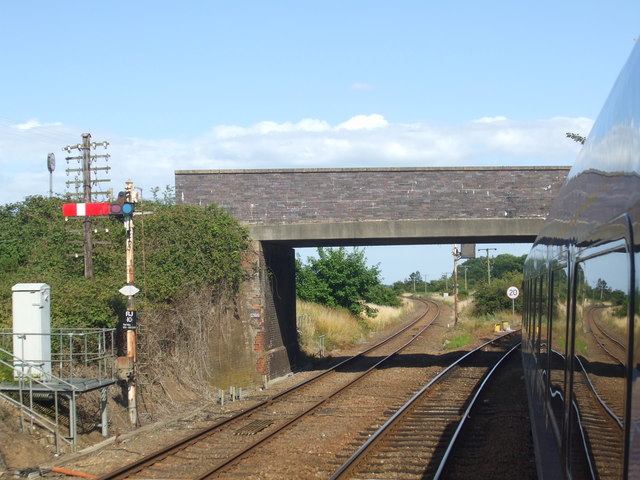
[
  {"x": 388, "y": 315},
  {"x": 470, "y": 327},
  {"x": 339, "y": 328}
]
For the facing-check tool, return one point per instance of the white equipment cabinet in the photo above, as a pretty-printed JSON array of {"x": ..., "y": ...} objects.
[{"x": 31, "y": 329}]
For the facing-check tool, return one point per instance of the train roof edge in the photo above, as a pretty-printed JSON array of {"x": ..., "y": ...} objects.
[{"x": 604, "y": 181}]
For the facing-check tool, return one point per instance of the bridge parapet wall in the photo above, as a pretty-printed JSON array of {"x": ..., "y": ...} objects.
[{"x": 362, "y": 194}]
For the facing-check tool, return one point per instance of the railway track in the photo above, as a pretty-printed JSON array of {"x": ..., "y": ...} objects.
[
  {"x": 416, "y": 441},
  {"x": 600, "y": 433},
  {"x": 613, "y": 347},
  {"x": 215, "y": 450},
  {"x": 603, "y": 364}
]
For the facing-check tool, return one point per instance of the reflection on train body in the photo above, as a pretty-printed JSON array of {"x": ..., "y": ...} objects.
[{"x": 581, "y": 335}]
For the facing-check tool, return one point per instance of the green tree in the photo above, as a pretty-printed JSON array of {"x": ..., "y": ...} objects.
[
  {"x": 338, "y": 278},
  {"x": 164, "y": 197},
  {"x": 415, "y": 280},
  {"x": 576, "y": 137},
  {"x": 476, "y": 268},
  {"x": 186, "y": 247},
  {"x": 492, "y": 298},
  {"x": 178, "y": 249},
  {"x": 383, "y": 295}
]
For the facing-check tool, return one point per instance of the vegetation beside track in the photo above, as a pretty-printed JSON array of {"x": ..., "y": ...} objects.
[
  {"x": 336, "y": 328},
  {"x": 189, "y": 268},
  {"x": 341, "y": 278},
  {"x": 189, "y": 264},
  {"x": 178, "y": 249}
]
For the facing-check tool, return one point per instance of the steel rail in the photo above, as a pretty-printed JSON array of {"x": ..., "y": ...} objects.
[
  {"x": 350, "y": 463},
  {"x": 597, "y": 332},
  {"x": 217, "y": 468},
  {"x": 465, "y": 415},
  {"x": 154, "y": 457}
]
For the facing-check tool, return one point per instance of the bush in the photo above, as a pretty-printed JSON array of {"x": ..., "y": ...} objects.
[
  {"x": 341, "y": 279},
  {"x": 177, "y": 249},
  {"x": 492, "y": 298}
]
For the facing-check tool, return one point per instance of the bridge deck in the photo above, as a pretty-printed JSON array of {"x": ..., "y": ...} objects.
[{"x": 380, "y": 206}]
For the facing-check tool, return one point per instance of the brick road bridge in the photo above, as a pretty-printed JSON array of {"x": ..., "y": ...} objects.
[{"x": 285, "y": 209}]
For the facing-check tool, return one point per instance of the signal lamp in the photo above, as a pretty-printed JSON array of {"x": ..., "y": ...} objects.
[{"x": 121, "y": 209}]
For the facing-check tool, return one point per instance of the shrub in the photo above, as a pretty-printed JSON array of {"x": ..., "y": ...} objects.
[
  {"x": 341, "y": 279},
  {"x": 492, "y": 298}
]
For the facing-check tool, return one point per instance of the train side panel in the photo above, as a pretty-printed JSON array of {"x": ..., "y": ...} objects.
[{"x": 581, "y": 338}]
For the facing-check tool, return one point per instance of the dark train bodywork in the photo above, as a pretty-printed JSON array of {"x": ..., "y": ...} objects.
[{"x": 581, "y": 327}]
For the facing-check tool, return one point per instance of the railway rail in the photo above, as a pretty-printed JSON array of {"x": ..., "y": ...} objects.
[
  {"x": 209, "y": 453},
  {"x": 602, "y": 364},
  {"x": 613, "y": 347},
  {"x": 417, "y": 440}
]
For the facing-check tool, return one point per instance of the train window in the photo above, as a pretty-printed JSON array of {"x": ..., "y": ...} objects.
[
  {"x": 543, "y": 327},
  {"x": 558, "y": 348},
  {"x": 600, "y": 346},
  {"x": 533, "y": 315},
  {"x": 526, "y": 320},
  {"x": 634, "y": 423}
]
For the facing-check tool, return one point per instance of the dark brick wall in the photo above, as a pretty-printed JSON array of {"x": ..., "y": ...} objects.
[
  {"x": 281, "y": 336},
  {"x": 270, "y": 292},
  {"x": 319, "y": 195}
]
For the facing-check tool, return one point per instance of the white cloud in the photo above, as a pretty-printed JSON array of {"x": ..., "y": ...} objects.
[
  {"x": 490, "y": 119},
  {"x": 364, "y": 122},
  {"x": 33, "y": 123},
  {"x": 361, "y": 141},
  {"x": 305, "y": 125}
]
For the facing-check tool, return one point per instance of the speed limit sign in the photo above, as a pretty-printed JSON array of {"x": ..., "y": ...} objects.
[{"x": 513, "y": 293}]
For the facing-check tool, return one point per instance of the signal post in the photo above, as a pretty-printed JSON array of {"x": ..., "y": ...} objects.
[
  {"x": 131, "y": 313},
  {"x": 122, "y": 208},
  {"x": 456, "y": 256}
]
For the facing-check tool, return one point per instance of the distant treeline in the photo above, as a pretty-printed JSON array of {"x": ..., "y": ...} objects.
[{"x": 487, "y": 283}]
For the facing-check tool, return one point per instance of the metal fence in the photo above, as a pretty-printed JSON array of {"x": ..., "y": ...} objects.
[
  {"x": 75, "y": 352},
  {"x": 75, "y": 361}
]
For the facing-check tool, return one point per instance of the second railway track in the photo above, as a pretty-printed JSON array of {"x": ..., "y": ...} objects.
[
  {"x": 415, "y": 442},
  {"x": 311, "y": 429}
]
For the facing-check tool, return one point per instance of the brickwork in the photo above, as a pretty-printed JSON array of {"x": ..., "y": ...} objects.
[
  {"x": 334, "y": 195},
  {"x": 271, "y": 296},
  {"x": 280, "y": 334},
  {"x": 265, "y": 197}
]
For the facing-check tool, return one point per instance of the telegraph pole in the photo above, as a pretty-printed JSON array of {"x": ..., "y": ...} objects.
[
  {"x": 86, "y": 158},
  {"x": 488, "y": 263},
  {"x": 456, "y": 257},
  {"x": 86, "y": 190},
  {"x": 465, "y": 276}
]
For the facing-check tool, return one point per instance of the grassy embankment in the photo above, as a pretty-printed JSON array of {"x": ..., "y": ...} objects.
[
  {"x": 470, "y": 327},
  {"x": 338, "y": 328}
]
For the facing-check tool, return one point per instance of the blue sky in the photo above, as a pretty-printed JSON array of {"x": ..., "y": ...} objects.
[{"x": 283, "y": 84}]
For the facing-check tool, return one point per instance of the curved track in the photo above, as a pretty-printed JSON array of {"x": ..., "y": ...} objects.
[
  {"x": 212, "y": 451},
  {"x": 613, "y": 347}
]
